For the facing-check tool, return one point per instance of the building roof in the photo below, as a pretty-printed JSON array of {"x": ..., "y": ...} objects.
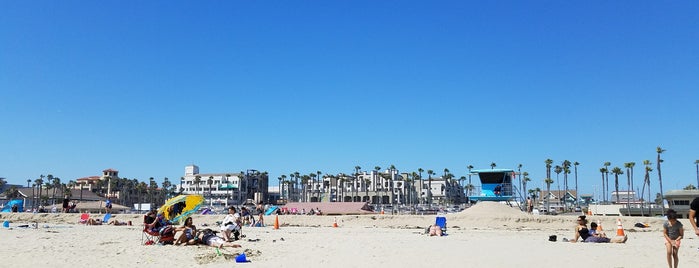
[
  {"x": 91, "y": 178},
  {"x": 110, "y": 170},
  {"x": 75, "y": 194}
]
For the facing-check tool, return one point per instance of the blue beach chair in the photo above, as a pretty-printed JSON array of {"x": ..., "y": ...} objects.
[
  {"x": 106, "y": 218},
  {"x": 442, "y": 223}
]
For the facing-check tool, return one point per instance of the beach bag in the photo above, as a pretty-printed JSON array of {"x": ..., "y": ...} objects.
[{"x": 553, "y": 238}]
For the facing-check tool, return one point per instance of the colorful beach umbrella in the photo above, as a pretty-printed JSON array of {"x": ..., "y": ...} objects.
[{"x": 180, "y": 207}]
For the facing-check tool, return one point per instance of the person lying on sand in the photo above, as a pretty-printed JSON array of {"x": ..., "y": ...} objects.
[{"x": 208, "y": 237}]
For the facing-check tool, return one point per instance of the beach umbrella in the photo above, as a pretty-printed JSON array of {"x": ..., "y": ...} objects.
[{"x": 181, "y": 206}]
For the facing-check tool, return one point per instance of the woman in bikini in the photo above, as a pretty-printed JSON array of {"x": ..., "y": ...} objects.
[{"x": 189, "y": 233}]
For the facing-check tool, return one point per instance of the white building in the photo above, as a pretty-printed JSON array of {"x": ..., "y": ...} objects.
[{"x": 216, "y": 187}]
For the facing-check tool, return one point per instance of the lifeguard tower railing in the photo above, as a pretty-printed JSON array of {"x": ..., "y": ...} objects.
[{"x": 496, "y": 185}]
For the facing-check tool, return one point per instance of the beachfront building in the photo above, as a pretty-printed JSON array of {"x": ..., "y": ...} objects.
[
  {"x": 558, "y": 200},
  {"x": 679, "y": 200},
  {"x": 227, "y": 187},
  {"x": 388, "y": 187},
  {"x": 625, "y": 197},
  {"x": 445, "y": 191},
  {"x": 97, "y": 182}
]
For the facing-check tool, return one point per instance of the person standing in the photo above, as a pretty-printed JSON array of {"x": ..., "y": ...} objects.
[
  {"x": 673, "y": 232},
  {"x": 108, "y": 206},
  {"x": 65, "y": 204},
  {"x": 530, "y": 205}
]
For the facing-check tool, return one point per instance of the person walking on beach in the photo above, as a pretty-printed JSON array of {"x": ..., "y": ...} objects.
[
  {"x": 530, "y": 205},
  {"x": 673, "y": 232}
]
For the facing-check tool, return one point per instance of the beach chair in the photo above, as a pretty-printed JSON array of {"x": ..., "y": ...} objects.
[
  {"x": 153, "y": 233},
  {"x": 106, "y": 218},
  {"x": 84, "y": 218},
  {"x": 441, "y": 221}
]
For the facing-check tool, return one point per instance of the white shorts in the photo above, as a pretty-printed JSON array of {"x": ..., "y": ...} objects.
[{"x": 230, "y": 227}]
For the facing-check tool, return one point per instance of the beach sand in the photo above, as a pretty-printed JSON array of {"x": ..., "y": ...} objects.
[{"x": 485, "y": 235}]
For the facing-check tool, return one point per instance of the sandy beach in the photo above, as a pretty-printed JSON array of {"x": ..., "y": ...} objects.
[{"x": 486, "y": 235}]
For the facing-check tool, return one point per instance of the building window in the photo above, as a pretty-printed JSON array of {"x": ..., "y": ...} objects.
[{"x": 680, "y": 202}]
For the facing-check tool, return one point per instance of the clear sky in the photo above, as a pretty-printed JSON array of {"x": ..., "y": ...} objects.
[{"x": 147, "y": 87}]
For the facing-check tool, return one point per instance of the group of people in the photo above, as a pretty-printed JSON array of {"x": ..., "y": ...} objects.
[
  {"x": 673, "y": 232},
  {"x": 592, "y": 234},
  {"x": 188, "y": 234}
]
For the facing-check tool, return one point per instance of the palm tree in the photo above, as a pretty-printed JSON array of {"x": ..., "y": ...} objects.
[
  {"x": 281, "y": 181},
  {"x": 304, "y": 181},
  {"x": 197, "y": 181},
  {"x": 606, "y": 189},
  {"x": 38, "y": 183},
  {"x": 152, "y": 186},
  {"x": 660, "y": 177},
  {"x": 548, "y": 182},
  {"x": 566, "y": 171},
  {"x": 558, "y": 169},
  {"x": 228, "y": 186},
  {"x": 378, "y": 181},
  {"x": 296, "y": 175},
  {"x": 166, "y": 188},
  {"x": 602, "y": 170},
  {"x": 461, "y": 182},
  {"x": 617, "y": 171},
  {"x": 629, "y": 183},
  {"x": 210, "y": 182},
  {"x": 493, "y": 165},
  {"x": 422, "y": 185},
  {"x": 356, "y": 182},
  {"x": 429, "y": 190},
  {"x": 28, "y": 182},
  {"x": 577, "y": 194},
  {"x": 320, "y": 184},
  {"x": 519, "y": 171},
  {"x": 646, "y": 181},
  {"x": 525, "y": 180},
  {"x": 548, "y": 162}
]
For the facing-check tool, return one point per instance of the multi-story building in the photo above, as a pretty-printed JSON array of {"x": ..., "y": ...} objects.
[
  {"x": 225, "y": 188},
  {"x": 374, "y": 187}
]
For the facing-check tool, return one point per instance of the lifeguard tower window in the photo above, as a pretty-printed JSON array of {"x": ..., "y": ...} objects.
[{"x": 495, "y": 178}]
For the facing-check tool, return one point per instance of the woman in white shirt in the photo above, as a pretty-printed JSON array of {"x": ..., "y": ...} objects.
[{"x": 231, "y": 224}]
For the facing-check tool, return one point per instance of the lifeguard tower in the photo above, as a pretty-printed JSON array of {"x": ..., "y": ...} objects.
[{"x": 496, "y": 185}]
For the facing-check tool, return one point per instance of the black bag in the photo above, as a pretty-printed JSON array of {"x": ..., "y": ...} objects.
[{"x": 552, "y": 238}]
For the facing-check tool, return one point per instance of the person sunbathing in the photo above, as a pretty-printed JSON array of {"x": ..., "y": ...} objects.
[
  {"x": 435, "y": 230},
  {"x": 93, "y": 222},
  {"x": 208, "y": 237},
  {"x": 188, "y": 233}
]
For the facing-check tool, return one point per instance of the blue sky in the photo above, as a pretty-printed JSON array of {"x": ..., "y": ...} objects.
[{"x": 283, "y": 86}]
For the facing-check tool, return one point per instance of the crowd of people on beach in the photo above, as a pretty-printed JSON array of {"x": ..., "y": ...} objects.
[
  {"x": 673, "y": 232},
  {"x": 230, "y": 229}
]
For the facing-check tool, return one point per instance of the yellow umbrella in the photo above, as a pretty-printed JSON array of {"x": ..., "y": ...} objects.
[{"x": 181, "y": 206}]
